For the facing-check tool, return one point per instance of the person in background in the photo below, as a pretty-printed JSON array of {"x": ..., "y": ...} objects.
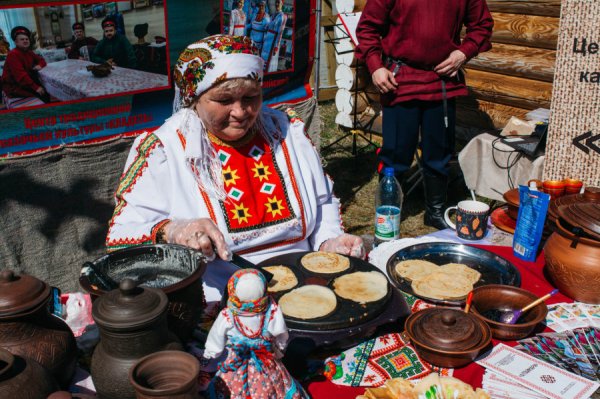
[
  {"x": 237, "y": 21},
  {"x": 4, "y": 45},
  {"x": 114, "y": 48},
  {"x": 270, "y": 51},
  {"x": 258, "y": 25},
  {"x": 414, "y": 51},
  {"x": 226, "y": 174},
  {"x": 20, "y": 76},
  {"x": 80, "y": 41}
]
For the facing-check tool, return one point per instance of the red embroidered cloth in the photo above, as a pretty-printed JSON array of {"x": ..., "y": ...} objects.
[{"x": 532, "y": 279}]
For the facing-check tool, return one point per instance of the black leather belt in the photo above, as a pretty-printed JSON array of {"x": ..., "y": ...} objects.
[{"x": 398, "y": 63}]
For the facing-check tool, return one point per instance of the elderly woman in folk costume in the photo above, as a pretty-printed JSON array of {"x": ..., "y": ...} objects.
[
  {"x": 252, "y": 331},
  {"x": 225, "y": 173}
]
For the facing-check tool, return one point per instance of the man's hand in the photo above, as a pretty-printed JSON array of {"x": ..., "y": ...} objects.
[
  {"x": 384, "y": 80},
  {"x": 40, "y": 90},
  {"x": 450, "y": 66},
  {"x": 37, "y": 67},
  {"x": 111, "y": 62}
]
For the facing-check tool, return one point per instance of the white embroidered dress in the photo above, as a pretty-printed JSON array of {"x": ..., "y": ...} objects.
[{"x": 294, "y": 206}]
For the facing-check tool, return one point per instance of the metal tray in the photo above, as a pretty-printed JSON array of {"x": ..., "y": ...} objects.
[
  {"x": 348, "y": 313},
  {"x": 494, "y": 269}
]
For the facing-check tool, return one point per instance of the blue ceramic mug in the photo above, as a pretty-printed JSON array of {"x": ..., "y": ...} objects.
[{"x": 471, "y": 219}]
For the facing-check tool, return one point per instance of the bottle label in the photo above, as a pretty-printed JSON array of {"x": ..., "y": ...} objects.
[{"x": 387, "y": 223}]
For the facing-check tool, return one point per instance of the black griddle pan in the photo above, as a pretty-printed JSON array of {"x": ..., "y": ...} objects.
[{"x": 348, "y": 313}]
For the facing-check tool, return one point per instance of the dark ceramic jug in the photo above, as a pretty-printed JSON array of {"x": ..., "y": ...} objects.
[
  {"x": 133, "y": 323},
  {"x": 27, "y": 328},
  {"x": 166, "y": 375},
  {"x": 23, "y": 378}
]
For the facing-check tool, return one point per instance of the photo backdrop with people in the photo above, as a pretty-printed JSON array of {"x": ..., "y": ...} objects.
[{"x": 87, "y": 106}]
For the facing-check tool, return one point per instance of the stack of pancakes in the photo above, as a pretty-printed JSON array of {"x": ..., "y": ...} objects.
[{"x": 451, "y": 281}]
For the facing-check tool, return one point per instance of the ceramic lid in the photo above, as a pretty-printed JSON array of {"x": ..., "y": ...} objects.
[
  {"x": 512, "y": 197},
  {"x": 590, "y": 195},
  {"x": 585, "y": 215},
  {"x": 445, "y": 329},
  {"x": 21, "y": 294},
  {"x": 129, "y": 307}
]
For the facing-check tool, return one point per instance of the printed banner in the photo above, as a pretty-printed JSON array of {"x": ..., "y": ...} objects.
[
  {"x": 80, "y": 80},
  {"x": 573, "y": 149}
]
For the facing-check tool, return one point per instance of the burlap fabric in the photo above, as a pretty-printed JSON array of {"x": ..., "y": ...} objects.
[
  {"x": 575, "y": 107},
  {"x": 55, "y": 207}
]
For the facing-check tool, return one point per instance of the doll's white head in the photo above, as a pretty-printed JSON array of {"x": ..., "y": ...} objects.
[{"x": 249, "y": 287}]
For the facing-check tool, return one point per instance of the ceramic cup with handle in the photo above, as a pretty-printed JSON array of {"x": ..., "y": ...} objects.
[{"x": 471, "y": 219}]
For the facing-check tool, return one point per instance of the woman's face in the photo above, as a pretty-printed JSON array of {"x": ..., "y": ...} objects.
[{"x": 229, "y": 111}]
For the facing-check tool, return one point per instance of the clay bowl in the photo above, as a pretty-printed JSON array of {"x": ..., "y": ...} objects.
[
  {"x": 504, "y": 297},
  {"x": 447, "y": 337},
  {"x": 512, "y": 199}
]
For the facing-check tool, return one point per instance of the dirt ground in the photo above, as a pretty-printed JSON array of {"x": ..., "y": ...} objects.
[{"x": 356, "y": 180}]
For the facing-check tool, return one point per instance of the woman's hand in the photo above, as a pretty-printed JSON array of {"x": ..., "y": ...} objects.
[
  {"x": 200, "y": 234},
  {"x": 345, "y": 244},
  {"x": 450, "y": 66}
]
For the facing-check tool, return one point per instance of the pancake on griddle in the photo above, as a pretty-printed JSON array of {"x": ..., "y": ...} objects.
[
  {"x": 414, "y": 269},
  {"x": 283, "y": 278},
  {"x": 440, "y": 285},
  {"x": 308, "y": 302},
  {"x": 461, "y": 269},
  {"x": 325, "y": 262},
  {"x": 361, "y": 287}
]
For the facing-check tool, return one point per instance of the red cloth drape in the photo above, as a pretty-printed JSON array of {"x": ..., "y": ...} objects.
[{"x": 532, "y": 279}]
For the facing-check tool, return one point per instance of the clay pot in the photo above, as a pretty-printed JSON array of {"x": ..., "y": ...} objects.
[
  {"x": 573, "y": 264},
  {"x": 23, "y": 378},
  {"x": 28, "y": 329},
  {"x": 166, "y": 374},
  {"x": 512, "y": 199},
  {"x": 133, "y": 323},
  {"x": 447, "y": 337},
  {"x": 177, "y": 271}
]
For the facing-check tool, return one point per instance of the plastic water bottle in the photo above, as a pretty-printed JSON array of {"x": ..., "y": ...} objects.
[{"x": 388, "y": 206}]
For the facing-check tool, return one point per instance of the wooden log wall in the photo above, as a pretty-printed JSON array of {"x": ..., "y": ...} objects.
[{"x": 516, "y": 76}]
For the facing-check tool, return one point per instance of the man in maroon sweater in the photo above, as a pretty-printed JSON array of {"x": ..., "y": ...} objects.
[
  {"x": 19, "y": 78},
  {"x": 414, "y": 52}
]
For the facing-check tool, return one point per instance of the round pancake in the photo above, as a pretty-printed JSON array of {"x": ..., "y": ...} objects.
[
  {"x": 459, "y": 268},
  {"x": 440, "y": 285},
  {"x": 414, "y": 269},
  {"x": 361, "y": 287},
  {"x": 325, "y": 262},
  {"x": 308, "y": 302},
  {"x": 283, "y": 278}
]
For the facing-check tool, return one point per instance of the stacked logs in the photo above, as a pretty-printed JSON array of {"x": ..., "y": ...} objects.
[
  {"x": 356, "y": 100},
  {"x": 516, "y": 76}
]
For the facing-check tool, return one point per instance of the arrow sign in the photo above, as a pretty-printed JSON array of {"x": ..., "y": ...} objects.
[
  {"x": 577, "y": 141},
  {"x": 590, "y": 143}
]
